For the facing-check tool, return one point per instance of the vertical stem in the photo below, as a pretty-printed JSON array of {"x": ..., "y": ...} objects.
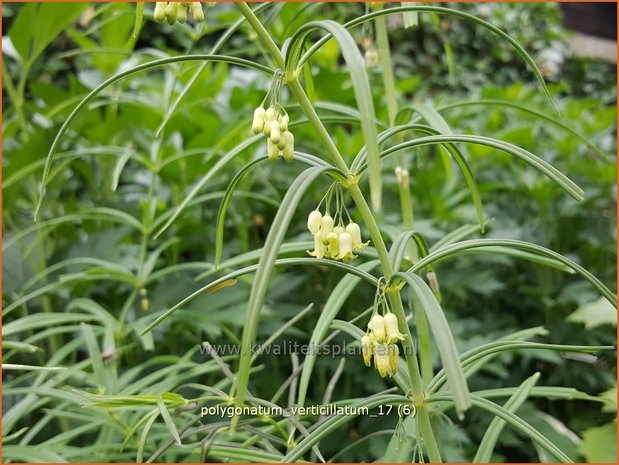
[{"x": 384, "y": 54}]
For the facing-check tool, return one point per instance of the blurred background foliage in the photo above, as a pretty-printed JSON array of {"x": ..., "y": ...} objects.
[{"x": 440, "y": 61}]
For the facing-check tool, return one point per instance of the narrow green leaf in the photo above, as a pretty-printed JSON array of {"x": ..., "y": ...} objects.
[
  {"x": 263, "y": 274},
  {"x": 554, "y": 174},
  {"x": 457, "y": 247},
  {"x": 84, "y": 102},
  {"x": 484, "y": 451},
  {"x": 95, "y": 357},
  {"x": 600, "y": 154},
  {"x": 443, "y": 338},
  {"x": 167, "y": 418},
  {"x": 151, "y": 417},
  {"x": 447, "y": 11},
  {"x": 139, "y": 16}
]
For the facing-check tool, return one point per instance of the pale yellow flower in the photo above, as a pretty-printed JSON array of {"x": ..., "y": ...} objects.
[
  {"x": 367, "y": 347},
  {"x": 345, "y": 246},
  {"x": 313, "y": 221},
  {"x": 377, "y": 326},
  {"x": 391, "y": 327}
]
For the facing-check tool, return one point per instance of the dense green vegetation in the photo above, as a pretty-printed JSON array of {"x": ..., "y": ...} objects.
[{"x": 103, "y": 356}]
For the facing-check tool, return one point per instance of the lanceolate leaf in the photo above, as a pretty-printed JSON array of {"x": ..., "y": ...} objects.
[
  {"x": 443, "y": 338},
  {"x": 118, "y": 77},
  {"x": 356, "y": 68},
  {"x": 454, "y": 249}
]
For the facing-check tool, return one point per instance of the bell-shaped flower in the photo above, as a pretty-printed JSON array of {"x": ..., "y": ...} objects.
[
  {"x": 159, "y": 13},
  {"x": 345, "y": 245},
  {"x": 391, "y": 328},
  {"x": 313, "y": 221},
  {"x": 195, "y": 8},
  {"x": 354, "y": 230},
  {"x": 326, "y": 226},
  {"x": 367, "y": 347},
  {"x": 283, "y": 123},
  {"x": 320, "y": 249},
  {"x": 333, "y": 246},
  {"x": 381, "y": 360},
  {"x": 377, "y": 326}
]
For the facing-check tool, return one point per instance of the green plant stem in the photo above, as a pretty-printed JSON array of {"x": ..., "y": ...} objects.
[
  {"x": 368, "y": 218},
  {"x": 15, "y": 97}
]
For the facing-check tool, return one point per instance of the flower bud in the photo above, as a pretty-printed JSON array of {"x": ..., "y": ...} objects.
[
  {"x": 391, "y": 328},
  {"x": 377, "y": 326},
  {"x": 195, "y": 8},
  {"x": 381, "y": 360},
  {"x": 269, "y": 116},
  {"x": 257, "y": 124},
  {"x": 313, "y": 221},
  {"x": 275, "y": 134},
  {"x": 272, "y": 150},
  {"x": 367, "y": 347},
  {"x": 181, "y": 13},
  {"x": 345, "y": 245},
  {"x": 371, "y": 58},
  {"x": 170, "y": 13},
  {"x": 288, "y": 149},
  {"x": 283, "y": 123},
  {"x": 159, "y": 13}
]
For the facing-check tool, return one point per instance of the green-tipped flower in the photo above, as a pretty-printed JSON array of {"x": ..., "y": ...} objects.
[
  {"x": 371, "y": 58},
  {"x": 391, "y": 328},
  {"x": 377, "y": 326},
  {"x": 269, "y": 116},
  {"x": 159, "y": 13},
  {"x": 354, "y": 230},
  {"x": 333, "y": 245},
  {"x": 320, "y": 250},
  {"x": 181, "y": 13},
  {"x": 326, "y": 226},
  {"x": 288, "y": 150},
  {"x": 313, "y": 221},
  {"x": 170, "y": 13},
  {"x": 381, "y": 360},
  {"x": 272, "y": 150},
  {"x": 257, "y": 124},
  {"x": 275, "y": 133},
  {"x": 195, "y": 8},
  {"x": 345, "y": 246},
  {"x": 367, "y": 347},
  {"x": 283, "y": 123}
]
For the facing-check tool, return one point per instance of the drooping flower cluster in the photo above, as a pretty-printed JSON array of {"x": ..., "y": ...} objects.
[
  {"x": 380, "y": 342},
  {"x": 273, "y": 123},
  {"x": 335, "y": 242},
  {"x": 171, "y": 12}
]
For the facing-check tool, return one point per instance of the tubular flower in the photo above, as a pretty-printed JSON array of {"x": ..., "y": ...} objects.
[
  {"x": 391, "y": 328},
  {"x": 170, "y": 13},
  {"x": 367, "y": 346},
  {"x": 275, "y": 133},
  {"x": 272, "y": 151},
  {"x": 181, "y": 12},
  {"x": 257, "y": 124},
  {"x": 381, "y": 360},
  {"x": 288, "y": 150},
  {"x": 283, "y": 123},
  {"x": 377, "y": 326},
  {"x": 195, "y": 8},
  {"x": 333, "y": 246},
  {"x": 313, "y": 221},
  {"x": 320, "y": 249},
  {"x": 326, "y": 226},
  {"x": 355, "y": 231},
  {"x": 159, "y": 13},
  {"x": 345, "y": 246},
  {"x": 269, "y": 116}
]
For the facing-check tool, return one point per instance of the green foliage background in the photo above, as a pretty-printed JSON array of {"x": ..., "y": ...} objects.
[{"x": 96, "y": 268}]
